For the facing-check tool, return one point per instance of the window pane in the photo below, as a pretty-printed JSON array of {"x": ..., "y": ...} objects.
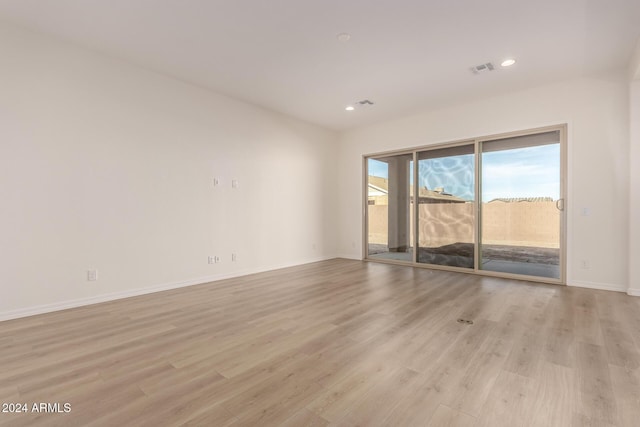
[
  {"x": 446, "y": 206},
  {"x": 520, "y": 220},
  {"x": 389, "y": 210}
]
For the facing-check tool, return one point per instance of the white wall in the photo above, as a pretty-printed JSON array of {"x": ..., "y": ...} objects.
[
  {"x": 107, "y": 166},
  {"x": 634, "y": 178},
  {"x": 634, "y": 190},
  {"x": 596, "y": 110}
]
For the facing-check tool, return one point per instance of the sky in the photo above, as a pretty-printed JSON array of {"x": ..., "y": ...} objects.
[{"x": 521, "y": 172}]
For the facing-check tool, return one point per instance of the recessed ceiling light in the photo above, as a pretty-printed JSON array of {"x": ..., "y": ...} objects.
[
  {"x": 344, "y": 37},
  {"x": 508, "y": 62},
  {"x": 349, "y": 108}
]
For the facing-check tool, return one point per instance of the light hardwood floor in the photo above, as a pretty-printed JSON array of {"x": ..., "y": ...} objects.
[{"x": 339, "y": 343}]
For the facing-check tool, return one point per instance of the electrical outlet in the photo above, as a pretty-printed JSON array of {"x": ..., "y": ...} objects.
[
  {"x": 213, "y": 259},
  {"x": 216, "y": 259},
  {"x": 92, "y": 275},
  {"x": 234, "y": 183}
]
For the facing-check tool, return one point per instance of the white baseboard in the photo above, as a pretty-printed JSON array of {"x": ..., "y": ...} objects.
[
  {"x": 633, "y": 292},
  {"x": 80, "y": 302},
  {"x": 349, "y": 256},
  {"x": 600, "y": 286}
]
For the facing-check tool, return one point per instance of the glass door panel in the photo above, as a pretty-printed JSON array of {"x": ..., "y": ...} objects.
[
  {"x": 446, "y": 200},
  {"x": 521, "y": 214},
  {"x": 389, "y": 208}
]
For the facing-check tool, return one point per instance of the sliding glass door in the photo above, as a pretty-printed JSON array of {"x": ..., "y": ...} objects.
[
  {"x": 446, "y": 202},
  {"x": 490, "y": 205},
  {"x": 521, "y": 205},
  {"x": 389, "y": 212}
]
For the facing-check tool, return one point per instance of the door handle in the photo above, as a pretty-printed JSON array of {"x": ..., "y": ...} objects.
[{"x": 560, "y": 204}]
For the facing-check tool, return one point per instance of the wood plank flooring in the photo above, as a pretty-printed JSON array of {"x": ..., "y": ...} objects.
[{"x": 335, "y": 343}]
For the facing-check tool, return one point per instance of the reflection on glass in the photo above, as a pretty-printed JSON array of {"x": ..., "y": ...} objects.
[
  {"x": 445, "y": 208},
  {"x": 520, "y": 218},
  {"x": 389, "y": 211}
]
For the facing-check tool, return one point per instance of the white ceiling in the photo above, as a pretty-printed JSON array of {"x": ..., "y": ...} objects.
[{"x": 405, "y": 55}]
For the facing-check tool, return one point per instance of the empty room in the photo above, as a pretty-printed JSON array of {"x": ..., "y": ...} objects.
[{"x": 319, "y": 213}]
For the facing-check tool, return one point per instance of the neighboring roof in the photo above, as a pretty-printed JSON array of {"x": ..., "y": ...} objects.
[
  {"x": 381, "y": 185},
  {"x": 440, "y": 196},
  {"x": 378, "y": 183}
]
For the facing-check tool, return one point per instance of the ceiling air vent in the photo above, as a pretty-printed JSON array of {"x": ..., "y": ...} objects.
[{"x": 482, "y": 68}]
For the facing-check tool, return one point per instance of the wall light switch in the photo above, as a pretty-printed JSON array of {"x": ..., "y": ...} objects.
[
  {"x": 216, "y": 182},
  {"x": 92, "y": 275},
  {"x": 234, "y": 183}
]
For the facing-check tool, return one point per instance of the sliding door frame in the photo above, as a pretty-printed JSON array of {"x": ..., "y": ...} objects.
[
  {"x": 477, "y": 143},
  {"x": 365, "y": 205}
]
